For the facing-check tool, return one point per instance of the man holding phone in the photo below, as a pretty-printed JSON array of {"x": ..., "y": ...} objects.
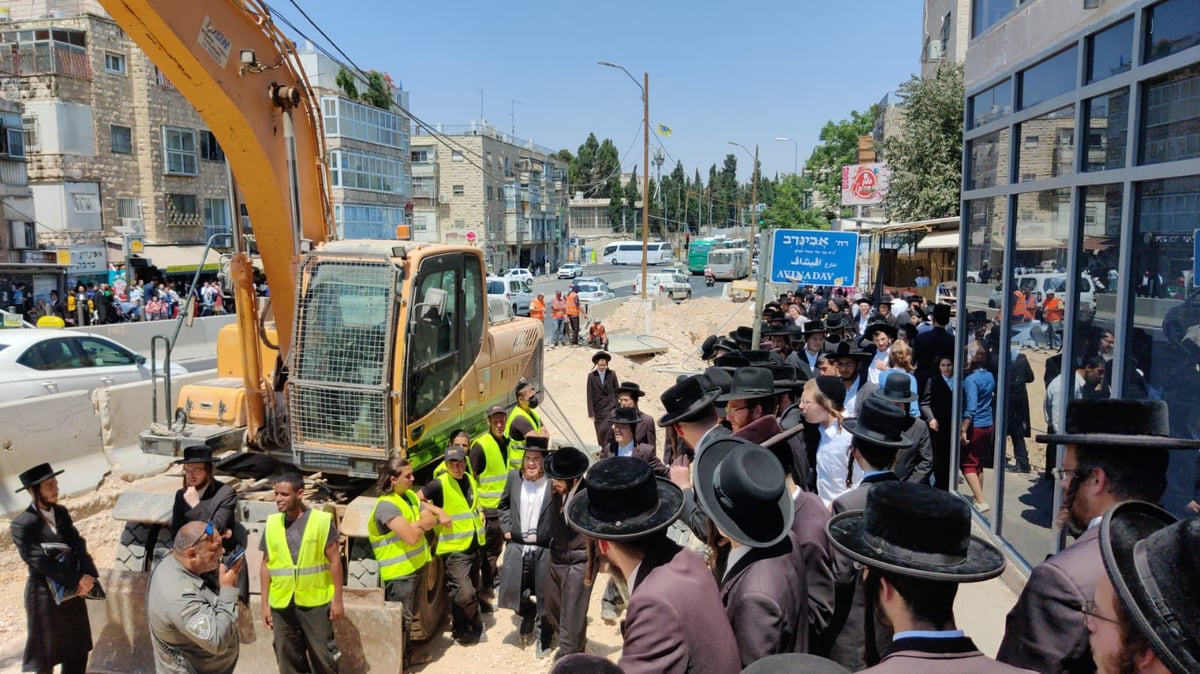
[{"x": 193, "y": 628}]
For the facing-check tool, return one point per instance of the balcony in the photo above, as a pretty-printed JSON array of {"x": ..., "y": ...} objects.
[{"x": 424, "y": 169}]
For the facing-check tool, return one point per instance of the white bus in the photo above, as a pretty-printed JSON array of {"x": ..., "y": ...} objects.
[
  {"x": 630, "y": 252},
  {"x": 729, "y": 264}
]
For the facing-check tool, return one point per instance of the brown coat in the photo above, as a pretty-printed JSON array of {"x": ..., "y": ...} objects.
[
  {"x": 940, "y": 656},
  {"x": 601, "y": 401},
  {"x": 675, "y": 622},
  {"x": 644, "y": 432},
  {"x": 815, "y": 556},
  {"x": 765, "y": 601},
  {"x": 644, "y": 452}
]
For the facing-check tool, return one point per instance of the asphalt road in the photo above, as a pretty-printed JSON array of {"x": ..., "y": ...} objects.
[{"x": 620, "y": 278}]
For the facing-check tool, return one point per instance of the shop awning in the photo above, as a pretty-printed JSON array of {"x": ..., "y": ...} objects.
[
  {"x": 939, "y": 241},
  {"x": 181, "y": 259}
]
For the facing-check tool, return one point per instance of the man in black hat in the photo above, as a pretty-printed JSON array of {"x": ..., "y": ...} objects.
[
  {"x": 525, "y": 519},
  {"x": 691, "y": 415},
  {"x": 851, "y": 365},
  {"x": 676, "y": 622},
  {"x": 917, "y": 546},
  {"x": 50, "y": 545},
  {"x": 881, "y": 335},
  {"x": 601, "y": 396},
  {"x": 568, "y": 587},
  {"x": 914, "y": 463},
  {"x": 877, "y": 437},
  {"x": 1116, "y": 451},
  {"x": 813, "y": 336},
  {"x": 1144, "y": 616},
  {"x": 742, "y": 488},
  {"x": 628, "y": 395},
  {"x": 203, "y": 498},
  {"x": 781, "y": 342},
  {"x": 864, "y": 318},
  {"x": 750, "y": 409},
  {"x": 623, "y": 423},
  {"x": 932, "y": 343}
]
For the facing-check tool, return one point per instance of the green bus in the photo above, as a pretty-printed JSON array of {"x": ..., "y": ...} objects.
[{"x": 697, "y": 254}]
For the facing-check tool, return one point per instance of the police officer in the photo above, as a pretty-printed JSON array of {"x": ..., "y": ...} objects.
[
  {"x": 460, "y": 542},
  {"x": 194, "y": 629},
  {"x": 489, "y": 464},
  {"x": 299, "y": 564}
]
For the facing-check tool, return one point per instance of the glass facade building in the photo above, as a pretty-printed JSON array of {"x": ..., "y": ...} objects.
[{"x": 1081, "y": 167}]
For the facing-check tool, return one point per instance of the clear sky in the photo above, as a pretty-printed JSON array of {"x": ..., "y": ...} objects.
[{"x": 719, "y": 71}]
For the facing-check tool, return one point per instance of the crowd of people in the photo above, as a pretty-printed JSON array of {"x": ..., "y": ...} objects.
[
  {"x": 103, "y": 304},
  {"x": 808, "y": 476}
]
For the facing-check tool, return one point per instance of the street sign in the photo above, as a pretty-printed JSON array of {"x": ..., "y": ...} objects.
[
  {"x": 818, "y": 257},
  {"x": 864, "y": 184}
]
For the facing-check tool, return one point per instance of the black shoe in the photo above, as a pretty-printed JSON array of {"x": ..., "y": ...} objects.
[
  {"x": 486, "y": 607},
  {"x": 543, "y": 649},
  {"x": 527, "y": 624},
  {"x": 1023, "y": 467}
]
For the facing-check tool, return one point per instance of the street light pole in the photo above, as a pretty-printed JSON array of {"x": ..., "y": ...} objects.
[
  {"x": 645, "y": 87},
  {"x": 795, "y": 153}
]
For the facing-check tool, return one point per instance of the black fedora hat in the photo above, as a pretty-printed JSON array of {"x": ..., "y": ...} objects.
[
  {"x": 941, "y": 312},
  {"x": 625, "y": 415},
  {"x": 912, "y": 530},
  {"x": 708, "y": 348},
  {"x": 632, "y": 389},
  {"x": 794, "y": 663},
  {"x": 535, "y": 443},
  {"x": 896, "y": 387},
  {"x": 735, "y": 360},
  {"x": 37, "y": 475},
  {"x": 880, "y": 424},
  {"x": 1150, "y": 559},
  {"x": 196, "y": 454},
  {"x": 778, "y": 328},
  {"x": 880, "y": 326},
  {"x": 847, "y": 350},
  {"x": 601, "y": 355},
  {"x": 743, "y": 488},
  {"x": 744, "y": 334},
  {"x": 813, "y": 328},
  {"x": 720, "y": 378},
  {"x": 796, "y": 333},
  {"x": 786, "y": 376},
  {"x": 621, "y": 500},
  {"x": 686, "y": 399},
  {"x": 757, "y": 356},
  {"x": 751, "y": 382},
  {"x": 566, "y": 463},
  {"x": 1136, "y": 424},
  {"x": 836, "y": 321}
]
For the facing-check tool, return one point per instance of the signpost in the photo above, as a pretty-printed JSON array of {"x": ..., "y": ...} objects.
[{"x": 817, "y": 257}]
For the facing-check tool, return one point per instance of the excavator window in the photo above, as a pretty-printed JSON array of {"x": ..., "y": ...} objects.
[
  {"x": 473, "y": 299},
  {"x": 434, "y": 336}
]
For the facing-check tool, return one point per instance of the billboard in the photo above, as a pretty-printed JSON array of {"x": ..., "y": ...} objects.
[{"x": 864, "y": 184}]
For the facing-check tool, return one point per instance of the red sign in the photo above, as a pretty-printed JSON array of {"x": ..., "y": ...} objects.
[
  {"x": 864, "y": 184},
  {"x": 470, "y": 237}
]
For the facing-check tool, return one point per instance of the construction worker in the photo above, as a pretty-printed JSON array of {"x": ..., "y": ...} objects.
[
  {"x": 558, "y": 312},
  {"x": 537, "y": 307},
  {"x": 396, "y": 532},
  {"x": 489, "y": 464},
  {"x": 522, "y": 421},
  {"x": 573, "y": 311},
  {"x": 460, "y": 542},
  {"x": 299, "y": 564}
]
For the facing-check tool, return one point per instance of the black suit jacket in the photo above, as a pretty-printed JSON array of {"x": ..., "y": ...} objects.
[
  {"x": 927, "y": 348},
  {"x": 640, "y": 451},
  {"x": 601, "y": 398},
  {"x": 915, "y": 463},
  {"x": 510, "y": 512},
  {"x": 765, "y": 601},
  {"x": 937, "y": 402}
]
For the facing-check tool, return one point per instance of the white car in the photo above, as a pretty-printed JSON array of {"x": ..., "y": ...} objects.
[
  {"x": 674, "y": 286},
  {"x": 590, "y": 292},
  {"x": 570, "y": 270},
  {"x": 41, "y": 361},
  {"x": 519, "y": 273},
  {"x": 672, "y": 270},
  {"x": 514, "y": 291}
]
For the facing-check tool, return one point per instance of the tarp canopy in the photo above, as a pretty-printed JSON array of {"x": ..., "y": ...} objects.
[{"x": 939, "y": 241}]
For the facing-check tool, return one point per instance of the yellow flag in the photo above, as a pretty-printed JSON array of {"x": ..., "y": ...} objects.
[{"x": 664, "y": 130}]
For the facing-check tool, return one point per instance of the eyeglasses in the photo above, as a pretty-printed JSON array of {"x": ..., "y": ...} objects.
[
  {"x": 1091, "y": 612},
  {"x": 729, "y": 409},
  {"x": 209, "y": 532}
]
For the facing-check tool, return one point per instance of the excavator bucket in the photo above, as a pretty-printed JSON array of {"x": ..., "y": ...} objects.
[{"x": 368, "y": 636}]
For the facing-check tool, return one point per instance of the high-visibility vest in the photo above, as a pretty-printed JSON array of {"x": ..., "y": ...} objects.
[
  {"x": 495, "y": 473},
  {"x": 573, "y": 304},
  {"x": 558, "y": 308},
  {"x": 515, "y": 454},
  {"x": 396, "y": 558},
  {"x": 466, "y": 522},
  {"x": 309, "y": 579},
  {"x": 537, "y": 309}
]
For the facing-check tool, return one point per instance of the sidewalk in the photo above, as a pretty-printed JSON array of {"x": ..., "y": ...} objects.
[{"x": 980, "y": 609}]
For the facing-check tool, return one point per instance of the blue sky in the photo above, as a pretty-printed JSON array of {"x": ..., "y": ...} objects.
[{"x": 719, "y": 71}]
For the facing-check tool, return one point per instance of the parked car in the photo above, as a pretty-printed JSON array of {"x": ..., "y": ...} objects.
[
  {"x": 1040, "y": 282},
  {"x": 521, "y": 273},
  {"x": 675, "y": 286},
  {"x": 41, "y": 361},
  {"x": 672, "y": 270},
  {"x": 516, "y": 292},
  {"x": 590, "y": 292},
  {"x": 570, "y": 270}
]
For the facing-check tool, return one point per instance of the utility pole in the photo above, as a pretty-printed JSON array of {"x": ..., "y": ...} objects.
[{"x": 645, "y": 181}]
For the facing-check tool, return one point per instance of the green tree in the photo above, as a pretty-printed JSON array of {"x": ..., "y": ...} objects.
[
  {"x": 616, "y": 204},
  {"x": 725, "y": 192},
  {"x": 379, "y": 90},
  {"x": 925, "y": 160},
  {"x": 838, "y": 148},
  {"x": 348, "y": 85},
  {"x": 789, "y": 209},
  {"x": 581, "y": 168},
  {"x": 607, "y": 166}
]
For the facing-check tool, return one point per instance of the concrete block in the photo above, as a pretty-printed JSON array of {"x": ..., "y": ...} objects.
[
  {"x": 125, "y": 410},
  {"x": 137, "y": 336}
]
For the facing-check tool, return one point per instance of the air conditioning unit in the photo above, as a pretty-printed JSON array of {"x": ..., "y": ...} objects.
[
  {"x": 24, "y": 234},
  {"x": 135, "y": 225},
  {"x": 443, "y": 199},
  {"x": 935, "y": 50}
]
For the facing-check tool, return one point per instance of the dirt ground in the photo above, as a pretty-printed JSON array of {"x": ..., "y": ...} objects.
[{"x": 683, "y": 326}]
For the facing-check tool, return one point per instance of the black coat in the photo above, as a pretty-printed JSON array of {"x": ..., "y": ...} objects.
[
  {"x": 53, "y": 632},
  {"x": 927, "y": 348},
  {"x": 601, "y": 398},
  {"x": 509, "y": 595},
  {"x": 765, "y": 602},
  {"x": 645, "y": 431},
  {"x": 915, "y": 463},
  {"x": 641, "y": 451}
]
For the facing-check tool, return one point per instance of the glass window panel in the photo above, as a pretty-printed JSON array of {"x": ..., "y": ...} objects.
[
  {"x": 991, "y": 104},
  {"x": 985, "y": 14},
  {"x": 989, "y": 160},
  {"x": 1110, "y": 51},
  {"x": 1172, "y": 26},
  {"x": 1171, "y": 117},
  {"x": 1108, "y": 126},
  {"x": 1162, "y": 354},
  {"x": 1054, "y": 76},
  {"x": 1053, "y": 151}
]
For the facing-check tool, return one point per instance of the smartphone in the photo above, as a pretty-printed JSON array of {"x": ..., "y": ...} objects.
[{"x": 233, "y": 556}]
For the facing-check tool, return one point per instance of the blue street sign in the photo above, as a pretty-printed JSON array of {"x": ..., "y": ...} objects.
[{"x": 817, "y": 257}]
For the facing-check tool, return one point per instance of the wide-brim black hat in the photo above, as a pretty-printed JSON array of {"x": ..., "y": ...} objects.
[
  {"x": 750, "y": 383},
  {"x": 941, "y": 312},
  {"x": 813, "y": 328},
  {"x": 1136, "y": 424},
  {"x": 686, "y": 400},
  {"x": 566, "y": 463},
  {"x": 535, "y": 443},
  {"x": 896, "y": 387},
  {"x": 757, "y": 357},
  {"x": 601, "y": 355},
  {"x": 744, "y": 334},
  {"x": 708, "y": 348},
  {"x": 37, "y": 475},
  {"x": 632, "y": 389},
  {"x": 912, "y": 530},
  {"x": 847, "y": 350},
  {"x": 196, "y": 454},
  {"x": 1150, "y": 559},
  {"x": 880, "y": 326},
  {"x": 743, "y": 488},
  {"x": 880, "y": 424},
  {"x": 625, "y": 415},
  {"x": 622, "y": 500},
  {"x": 794, "y": 663},
  {"x": 734, "y": 360},
  {"x": 835, "y": 321}
]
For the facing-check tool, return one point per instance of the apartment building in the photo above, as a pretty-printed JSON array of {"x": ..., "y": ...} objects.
[
  {"x": 946, "y": 27},
  {"x": 477, "y": 185}
]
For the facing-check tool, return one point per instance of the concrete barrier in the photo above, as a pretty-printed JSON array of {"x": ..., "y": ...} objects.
[
  {"x": 137, "y": 335},
  {"x": 61, "y": 429}
]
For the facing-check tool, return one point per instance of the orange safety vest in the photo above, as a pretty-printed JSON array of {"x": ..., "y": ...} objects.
[
  {"x": 558, "y": 308},
  {"x": 573, "y": 304},
  {"x": 1020, "y": 306},
  {"x": 537, "y": 309},
  {"x": 1053, "y": 309}
]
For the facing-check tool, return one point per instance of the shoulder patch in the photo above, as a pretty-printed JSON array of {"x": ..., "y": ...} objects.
[{"x": 200, "y": 626}]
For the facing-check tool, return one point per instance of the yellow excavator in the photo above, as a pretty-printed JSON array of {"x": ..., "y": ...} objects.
[{"x": 376, "y": 348}]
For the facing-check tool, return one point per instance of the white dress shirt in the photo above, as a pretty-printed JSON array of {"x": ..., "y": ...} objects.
[{"x": 833, "y": 463}]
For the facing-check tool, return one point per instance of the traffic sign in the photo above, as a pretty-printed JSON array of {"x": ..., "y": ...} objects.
[{"x": 818, "y": 257}]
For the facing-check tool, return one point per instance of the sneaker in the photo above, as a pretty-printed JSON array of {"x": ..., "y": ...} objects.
[{"x": 982, "y": 507}]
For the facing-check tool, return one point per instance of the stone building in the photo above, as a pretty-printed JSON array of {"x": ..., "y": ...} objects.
[{"x": 479, "y": 186}]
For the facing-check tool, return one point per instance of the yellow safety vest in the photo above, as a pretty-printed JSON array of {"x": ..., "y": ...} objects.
[
  {"x": 308, "y": 580},
  {"x": 495, "y": 473},
  {"x": 465, "y": 520},
  {"x": 396, "y": 558},
  {"x": 515, "y": 454}
]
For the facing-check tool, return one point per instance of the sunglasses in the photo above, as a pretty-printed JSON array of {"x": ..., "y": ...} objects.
[{"x": 209, "y": 532}]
